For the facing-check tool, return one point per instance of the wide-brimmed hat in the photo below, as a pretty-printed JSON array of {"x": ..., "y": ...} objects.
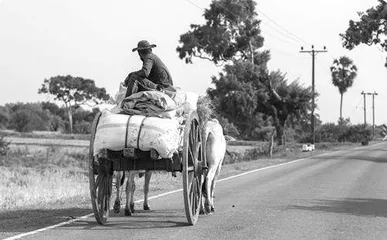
[{"x": 143, "y": 44}]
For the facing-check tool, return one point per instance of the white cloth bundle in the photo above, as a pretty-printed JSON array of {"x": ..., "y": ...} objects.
[
  {"x": 185, "y": 101},
  {"x": 149, "y": 103},
  {"x": 116, "y": 130}
]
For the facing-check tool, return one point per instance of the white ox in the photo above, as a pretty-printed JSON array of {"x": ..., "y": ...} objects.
[
  {"x": 130, "y": 188},
  {"x": 215, "y": 152}
]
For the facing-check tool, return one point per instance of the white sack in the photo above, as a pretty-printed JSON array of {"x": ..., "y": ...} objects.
[
  {"x": 120, "y": 95},
  {"x": 186, "y": 101},
  {"x": 156, "y": 133},
  {"x": 191, "y": 101}
]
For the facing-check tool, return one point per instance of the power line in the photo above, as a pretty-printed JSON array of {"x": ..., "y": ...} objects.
[
  {"x": 289, "y": 34},
  {"x": 194, "y": 4},
  {"x": 356, "y": 107},
  {"x": 291, "y": 38},
  {"x": 284, "y": 29},
  {"x": 281, "y": 39},
  {"x": 288, "y": 39}
]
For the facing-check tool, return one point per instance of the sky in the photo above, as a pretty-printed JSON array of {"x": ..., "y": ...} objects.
[{"x": 93, "y": 39}]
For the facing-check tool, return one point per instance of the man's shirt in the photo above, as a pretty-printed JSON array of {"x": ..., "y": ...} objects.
[{"x": 155, "y": 70}]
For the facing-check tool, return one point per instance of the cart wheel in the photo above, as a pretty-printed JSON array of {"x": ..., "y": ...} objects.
[
  {"x": 100, "y": 179},
  {"x": 192, "y": 168}
]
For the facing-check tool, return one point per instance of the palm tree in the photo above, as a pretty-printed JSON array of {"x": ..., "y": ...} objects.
[{"x": 344, "y": 73}]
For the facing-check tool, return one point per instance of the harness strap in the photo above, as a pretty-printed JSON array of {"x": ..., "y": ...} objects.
[{"x": 139, "y": 132}]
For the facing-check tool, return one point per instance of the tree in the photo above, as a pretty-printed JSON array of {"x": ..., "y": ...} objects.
[
  {"x": 231, "y": 32},
  {"x": 371, "y": 29},
  {"x": 244, "y": 92},
  {"x": 27, "y": 117},
  {"x": 284, "y": 102},
  {"x": 344, "y": 72},
  {"x": 74, "y": 92},
  {"x": 236, "y": 98}
]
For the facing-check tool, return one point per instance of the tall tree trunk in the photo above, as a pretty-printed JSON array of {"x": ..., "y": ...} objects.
[
  {"x": 341, "y": 106},
  {"x": 271, "y": 144},
  {"x": 70, "y": 115},
  {"x": 280, "y": 134}
]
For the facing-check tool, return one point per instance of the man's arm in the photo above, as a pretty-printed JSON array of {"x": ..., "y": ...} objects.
[{"x": 146, "y": 68}]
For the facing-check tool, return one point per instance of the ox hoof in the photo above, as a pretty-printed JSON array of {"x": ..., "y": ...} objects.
[
  {"x": 146, "y": 207},
  {"x": 128, "y": 212},
  {"x": 117, "y": 206},
  {"x": 201, "y": 212}
]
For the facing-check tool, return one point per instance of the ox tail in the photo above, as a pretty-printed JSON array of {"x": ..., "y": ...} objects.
[{"x": 123, "y": 178}]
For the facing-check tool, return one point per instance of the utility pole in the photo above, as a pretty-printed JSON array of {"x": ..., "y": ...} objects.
[
  {"x": 365, "y": 106},
  {"x": 373, "y": 112},
  {"x": 313, "y": 52},
  {"x": 373, "y": 109}
]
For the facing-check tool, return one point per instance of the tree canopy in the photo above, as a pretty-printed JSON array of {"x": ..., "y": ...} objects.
[
  {"x": 74, "y": 92},
  {"x": 344, "y": 72},
  {"x": 371, "y": 29},
  {"x": 231, "y": 32}
]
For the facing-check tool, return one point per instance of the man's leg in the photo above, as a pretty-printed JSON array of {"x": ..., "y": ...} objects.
[
  {"x": 131, "y": 84},
  {"x": 146, "y": 85}
]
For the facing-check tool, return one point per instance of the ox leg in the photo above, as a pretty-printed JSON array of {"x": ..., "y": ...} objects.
[
  {"x": 213, "y": 186},
  {"x": 130, "y": 188},
  {"x": 204, "y": 195},
  {"x": 148, "y": 175},
  {"x": 208, "y": 192},
  {"x": 117, "y": 202}
]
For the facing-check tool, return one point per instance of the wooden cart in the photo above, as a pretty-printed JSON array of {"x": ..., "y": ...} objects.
[{"x": 189, "y": 161}]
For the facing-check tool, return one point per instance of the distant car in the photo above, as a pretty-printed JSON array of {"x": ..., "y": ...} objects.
[{"x": 307, "y": 147}]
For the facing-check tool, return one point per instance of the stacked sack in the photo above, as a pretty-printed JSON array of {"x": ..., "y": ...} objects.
[{"x": 145, "y": 120}]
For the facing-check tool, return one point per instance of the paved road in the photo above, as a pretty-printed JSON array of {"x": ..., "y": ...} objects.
[{"x": 337, "y": 196}]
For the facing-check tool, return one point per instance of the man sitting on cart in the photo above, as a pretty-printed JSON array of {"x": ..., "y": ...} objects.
[{"x": 153, "y": 75}]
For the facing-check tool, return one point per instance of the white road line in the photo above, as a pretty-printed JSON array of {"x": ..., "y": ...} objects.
[
  {"x": 49, "y": 227},
  {"x": 179, "y": 190}
]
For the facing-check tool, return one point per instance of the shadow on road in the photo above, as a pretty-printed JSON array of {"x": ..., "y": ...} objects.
[
  {"x": 351, "y": 206},
  {"x": 140, "y": 220},
  {"x": 20, "y": 221}
]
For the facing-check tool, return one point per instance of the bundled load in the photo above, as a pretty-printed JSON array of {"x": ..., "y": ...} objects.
[
  {"x": 145, "y": 120},
  {"x": 149, "y": 103},
  {"x": 118, "y": 131}
]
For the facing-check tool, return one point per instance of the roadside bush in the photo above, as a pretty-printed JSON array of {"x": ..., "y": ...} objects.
[
  {"x": 4, "y": 117},
  {"x": 358, "y": 133},
  {"x": 255, "y": 153},
  {"x": 228, "y": 128},
  {"x": 331, "y": 132},
  {"x": 4, "y": 145},
  {"x": 82, "y": 127},
  {"x": 28, "y": 117},
  {"x": 262, "y": 134}
]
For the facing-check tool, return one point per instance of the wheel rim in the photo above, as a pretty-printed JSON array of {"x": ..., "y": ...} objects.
[
  {"x": 100, "y": 180},
  {"x": 192, "y": 168}
]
